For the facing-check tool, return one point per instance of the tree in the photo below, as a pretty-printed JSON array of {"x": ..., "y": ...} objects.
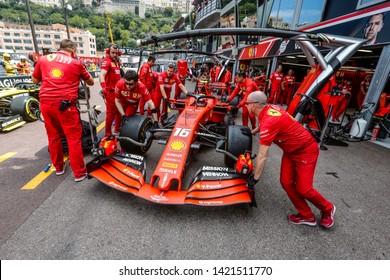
[
  {"x": 125, "y": 37},
  {"x": 168, "y": 12},
  {"x": 57, "y": 18}
]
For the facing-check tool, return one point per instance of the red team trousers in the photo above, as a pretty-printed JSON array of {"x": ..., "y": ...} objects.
[
  {"x": 296, "y": 177},
  {"x": 59, "y": 124},
  {"x": 112, "y": 113}
]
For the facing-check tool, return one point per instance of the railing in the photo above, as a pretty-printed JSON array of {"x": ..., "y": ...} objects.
[{"x": 207, "y": 8}]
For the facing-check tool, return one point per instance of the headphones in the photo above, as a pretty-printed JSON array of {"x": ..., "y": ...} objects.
[{"x": 115, "y": 46}]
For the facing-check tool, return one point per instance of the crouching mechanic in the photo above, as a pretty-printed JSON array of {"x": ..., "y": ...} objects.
[
  {"x": 300, "y": 153},
  {"x": 128, "y": 92}
]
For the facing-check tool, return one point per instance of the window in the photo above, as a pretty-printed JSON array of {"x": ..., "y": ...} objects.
[
  {"x": 80, "y": 39},
  {"x": 82, "y": 51},
  {"x": 46, "y": 42},
  {"x": 7, "y": 34},
  {"x": 367, "y": 3},
  {"x": 47, "y": 35},
  {"x": 57, "y": 42},
  {"x": 37, "y": 36},
  {"x": 28, "y": 48},
  {"x": 282, "y": 14},
  {"x": 27, "y": 35},
  {"x": 7, "y": 40},
  {"x": 17, "y": 34},
  {"x": 18, "y": 48},
  {"x": 57, "y": 37},
  {"x": 17, "y": 41},
  {"x": 311, "y": 12},
  {"x": 27, "y": 41},
  {"x": 8, "y": 48}
]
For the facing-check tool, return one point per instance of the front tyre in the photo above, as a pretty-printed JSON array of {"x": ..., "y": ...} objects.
[
  {"x": 238, "y": 140},
  {"x": 135, "y": 128}
]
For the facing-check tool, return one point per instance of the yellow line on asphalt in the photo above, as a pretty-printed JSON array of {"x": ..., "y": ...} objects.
[
  {"x": 6, "y": 156},
  {"x": 39, "y": 178},
  {"x": 100, "y": 127},
  {"x": 43, "y": 175}
]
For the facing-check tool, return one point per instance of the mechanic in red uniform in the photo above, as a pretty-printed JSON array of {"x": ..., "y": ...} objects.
[
  {"x": 300, "y": 153},
  {"x": 364, "y": 85},
  {"x": 342, "y": 101},
  {"x": 163, "y": 89},
  {"x": 128, "y": 92},
  {"x": 109, "y": 75},
  {"x": 227, "y": 79},
  {"x": 244, "y": 87},
  {"x": 275, "y": 84},
  {"x": 60, "y": 75},
  {"x": 146, "y": 77},
  {"x": 287, "y": 88}
]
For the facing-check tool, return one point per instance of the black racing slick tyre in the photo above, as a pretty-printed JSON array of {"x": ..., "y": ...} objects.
[
  {"x": 25, "y": 106},
  {"x": 238, "y": 140},
  {"x": 135, "y": 128}
]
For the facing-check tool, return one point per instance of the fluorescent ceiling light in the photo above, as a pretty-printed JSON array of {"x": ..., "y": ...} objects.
[{"x": 367, "y": 51}]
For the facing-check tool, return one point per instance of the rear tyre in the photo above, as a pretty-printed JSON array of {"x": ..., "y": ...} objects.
[
  {"x": 25, "y": 106},
  {"x": 135, "y": 128},
  {"x": 238, "y": 140}
]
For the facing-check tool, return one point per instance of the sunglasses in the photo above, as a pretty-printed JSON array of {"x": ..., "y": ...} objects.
[
  {"x": 247, "y": 103},
  {"x": 130, "y": 84}
]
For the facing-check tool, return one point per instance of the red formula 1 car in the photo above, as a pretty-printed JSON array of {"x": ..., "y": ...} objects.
[
  {"x": 207, "y": 120},
  {"x": 202, "y": 121}
]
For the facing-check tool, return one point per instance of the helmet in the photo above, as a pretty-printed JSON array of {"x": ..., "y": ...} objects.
[
  {"x": 6, "y": 56},
  {"x": 23, "y": 57}
]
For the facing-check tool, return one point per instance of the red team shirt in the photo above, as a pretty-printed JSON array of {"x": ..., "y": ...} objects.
[
  {"x": 163, "y": 79},
  {"x": 246, "y": 88},
  {"x": 288, "y": 81},
  {"x": 131, "y": 96},
  {"x": 146, "y": 76},
  {"x": 279, "y": 127},
  {"x": 276, "y": 80},
  {"x": 62, "y": 83},
  {"x": 113, "y": 72}
]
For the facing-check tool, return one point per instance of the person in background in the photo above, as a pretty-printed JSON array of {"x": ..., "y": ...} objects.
[
  {"x": 287, "y": 88},
  {"x": 109, "y": 76},
  {"x": 163, "y": 89},
  {"x": 9, "y": 66},
  {"x": 146, "y": 77},
  {"x": 244, "y": 86},
  {"x": 300, "y": 154},
  {"x": 60, "y": 75},
  {"x": 275, "y": 84},
  {"x": 23, "y": 66},
  {"x": 373, "y": 26},
  {"x": 364, "y": 85}
]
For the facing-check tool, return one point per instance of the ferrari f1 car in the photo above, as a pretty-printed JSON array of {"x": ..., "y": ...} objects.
[
  {"x": 205, "y": 120},
  {"x": 18, "y": 104}
]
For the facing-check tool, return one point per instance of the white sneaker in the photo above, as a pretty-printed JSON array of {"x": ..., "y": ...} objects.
[
  {"x": 60, "y": 172},
  {"x": 82, "y": 177}
]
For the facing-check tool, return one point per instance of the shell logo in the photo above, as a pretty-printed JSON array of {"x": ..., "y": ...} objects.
[
  {"x": 197, "y": 186},
  {"x": 177, "y": 145},
  {"x": 56, "y": 73}
]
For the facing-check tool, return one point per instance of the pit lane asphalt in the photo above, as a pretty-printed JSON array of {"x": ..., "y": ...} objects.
[{"x": 61, "y": 219}]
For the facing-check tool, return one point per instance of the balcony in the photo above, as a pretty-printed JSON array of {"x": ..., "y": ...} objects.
[{"x": 208, "y": 13}]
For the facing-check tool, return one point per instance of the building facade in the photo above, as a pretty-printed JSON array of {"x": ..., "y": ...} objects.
[{"x": 17, "y": 38}]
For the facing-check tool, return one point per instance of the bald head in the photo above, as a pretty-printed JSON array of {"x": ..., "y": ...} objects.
[{"x": 257, "y": 96}]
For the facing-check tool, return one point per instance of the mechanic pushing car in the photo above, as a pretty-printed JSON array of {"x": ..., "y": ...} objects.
[
  {"x": 60, "y": 75},
  {"x": 110, "y": 74},
  {"x": 243, "y": 88},
  {"x": 128, "y": 93},
  {"x": 163, "y": 89},
  {"x": 300, "y": 154}
]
